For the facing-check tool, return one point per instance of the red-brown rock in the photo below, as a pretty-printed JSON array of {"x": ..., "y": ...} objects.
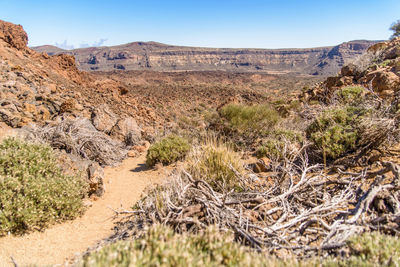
[{"x": 13, "y": 34}]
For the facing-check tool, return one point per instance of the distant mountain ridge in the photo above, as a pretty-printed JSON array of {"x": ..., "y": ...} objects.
[{"x": 161, "y": 57}]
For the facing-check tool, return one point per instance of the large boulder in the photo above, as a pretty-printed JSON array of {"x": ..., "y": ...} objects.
[
  {"x": 392, "y": 53},
  {"x": 13, "y": 34},
  {"x": 91, "y": 171},
  {"x": 127, "y": 130},
  {"x": 349, "y": 70},
  {"x": 383, "y": 80},
  {"x": 103, "y": 118}
]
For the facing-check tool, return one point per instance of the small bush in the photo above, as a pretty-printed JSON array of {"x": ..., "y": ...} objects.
[
  {"x": 285, "y": 134},
  {"x": 168, "y": 150},
  {"x": 274, "y": 145},
  {"x": 373, "y": 249},
  {"x": 249, "y": 120},
  {"x": 217, "y": 164},
  {"x": 351, "y": 95},
  {"x": 270, "y": 148},
  {"x": 34, "y": 192},
  {"x": 335, "y": 131},
  {"x": 160, "y": 246}
]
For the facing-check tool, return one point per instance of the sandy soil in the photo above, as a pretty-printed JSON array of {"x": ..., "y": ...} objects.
[{"x": 124, "y": 186}]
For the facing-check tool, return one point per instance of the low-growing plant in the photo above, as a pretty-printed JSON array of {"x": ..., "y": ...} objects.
[
  {"x": 168, "y": 150},
  {"x": 34, "y": 191},
  {"x": 285, "y": 134},
  {"x": 335, "y": 131},
  {"x": 273, "y": 147},
  {"x": 373, "y": 249},
  {"x": 249, "y": 120},
  {"x": 160, "y": 246},
  {"x": 351, "y": 94},
  {"x": 216, "y": 163}
]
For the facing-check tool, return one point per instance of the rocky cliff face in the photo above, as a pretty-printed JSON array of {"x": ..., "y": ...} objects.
[{"x": 161, "y": 57}]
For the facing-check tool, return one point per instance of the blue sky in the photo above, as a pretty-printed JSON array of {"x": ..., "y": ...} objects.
[{"x": 209, "y": 23}]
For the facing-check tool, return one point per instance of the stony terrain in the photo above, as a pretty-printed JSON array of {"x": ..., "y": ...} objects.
[
  {"x": 378, "y": 70},
  {"x": 290, "y": 165},
  {"x": 36, "y": 87},
  {"x": 162, "y": 57}
]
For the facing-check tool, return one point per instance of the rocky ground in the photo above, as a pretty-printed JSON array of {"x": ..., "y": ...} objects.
[
  {"x": 48, "y": 99},
  {"x": 98, "y": 119},
  {"x": 378, "y": 70}
]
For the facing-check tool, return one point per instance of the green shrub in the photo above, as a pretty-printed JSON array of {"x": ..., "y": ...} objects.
[
  {"x": 217, "y": 164},
  {"x": 249, "y": 120},
  {"x": 335, "y": 131},
  {"x": 160, "y": 246},
  {"x": 373, "y": 249},
  {"x": 273, "y": 146},
  {"x": 351, "y": 95},
  {"x": 168, "y": 150},
  {"x": 34, "y": 191},
  {"x": 285, "y": 134}
]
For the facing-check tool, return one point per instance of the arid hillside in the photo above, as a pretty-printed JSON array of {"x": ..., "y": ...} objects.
[
  {"x": 36, "y": 87},
  {"x": 243, "y": 168},
  {"x": 162, "y": 57}
]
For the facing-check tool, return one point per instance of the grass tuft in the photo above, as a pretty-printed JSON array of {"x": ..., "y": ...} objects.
[{"x": 217, "y": 164}]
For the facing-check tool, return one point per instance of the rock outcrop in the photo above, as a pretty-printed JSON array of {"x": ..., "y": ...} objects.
[
  {"x": 127, "y": 130},
  {"x": 378, "y": 70},
  {"x": 14, "y": 35},
  {"x": 161, "y": 57}
]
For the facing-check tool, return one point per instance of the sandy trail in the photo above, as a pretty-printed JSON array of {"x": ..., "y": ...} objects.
[{"x": 124, "y": 186}]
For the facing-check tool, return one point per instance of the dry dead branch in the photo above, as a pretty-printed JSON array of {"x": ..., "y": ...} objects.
[
  {"x": 304, "y": 210},
  {"x": 80, "y": 137}
]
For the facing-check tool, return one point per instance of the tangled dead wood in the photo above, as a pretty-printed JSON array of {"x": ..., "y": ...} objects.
[
  {"x": 80, "y": 137},
  {"x": 301, "y": 209}
]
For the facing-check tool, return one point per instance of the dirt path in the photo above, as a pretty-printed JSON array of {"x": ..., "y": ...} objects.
[{"x": 124, "y": 185}]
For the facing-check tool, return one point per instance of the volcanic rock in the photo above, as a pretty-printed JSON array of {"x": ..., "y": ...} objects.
[
  {"x": 103, "y": 118},
  {"x": 13, "y": 34}
]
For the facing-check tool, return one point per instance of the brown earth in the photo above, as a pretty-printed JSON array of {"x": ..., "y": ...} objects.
[
  {"x": 162, "y": 57},
  {"x": 36, "y": 87}
]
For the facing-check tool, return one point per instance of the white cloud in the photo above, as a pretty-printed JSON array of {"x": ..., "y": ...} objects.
[
  {"x": 97, "y": 43},
  {"x": 67, "y": 46}
]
